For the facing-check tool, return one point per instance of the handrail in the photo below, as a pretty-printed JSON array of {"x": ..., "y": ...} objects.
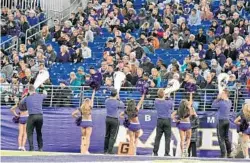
[
  {"x": 59, "y": 13},
  {"x": 14, "y": 42},
  {"x": 74, "y": 95}
]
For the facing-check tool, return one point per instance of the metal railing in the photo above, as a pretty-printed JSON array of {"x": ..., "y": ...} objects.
[
  {"x": 70, "y": 96},
  {"x": 35, "y": 30},
  {"x": 9, "y": 44}
]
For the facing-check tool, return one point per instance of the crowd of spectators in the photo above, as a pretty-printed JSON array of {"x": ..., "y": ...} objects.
[{"x": 223, "y": 45}]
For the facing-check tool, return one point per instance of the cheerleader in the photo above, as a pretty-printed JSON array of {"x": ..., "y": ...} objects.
[
  {"x": 21, "y": 118},
  {"x": 85, "y": 121},
  {"x": 181, "y": 117},
  {"x": 243, "y": 120},
  {"x": 132, "y": 122}
]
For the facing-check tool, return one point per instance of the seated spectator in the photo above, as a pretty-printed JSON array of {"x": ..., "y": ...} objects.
[
  {"x": 80, "y": 75},
  {"x": 67, "y": 28},
  {"x": 164, "y": 43},
  {"x": 50, "y": 54},
  {"x": 76, "y": 57},
  {"x": 211, "y": 35},
  {"x": 86, "y": 51},
  {"x": 57, "y": 33},
  {"x": 109, "y": 73},
  {"x": 146, "y": 64},
  {"x": 200, "y": 37},
  {"x": 12, "y": 26},
  {"x": 24, "y": 26},
  {"x": 194, "y": 18},
  {"x": 221, "y": 58},
  {"x": 156, "y": 77},
  {"x": 210, "y": 54},
  {"x": 198, "y": 78},
  {"x": 63, "y": 55},
  {"x": 208, "y": 83},
  {"x": 176, "y": 42},
  {"x": 215, "y": 66},
  {"x": 32, "y": 18}
]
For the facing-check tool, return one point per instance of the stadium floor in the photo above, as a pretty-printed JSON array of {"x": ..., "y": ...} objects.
[{"x": 18, "y": 156}]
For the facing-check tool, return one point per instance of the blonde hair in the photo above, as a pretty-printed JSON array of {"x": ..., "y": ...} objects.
[
  {"x": 86, "y": 107},
  {"x": 22, "y": 46},
  {"x": 246, "y": 112}
]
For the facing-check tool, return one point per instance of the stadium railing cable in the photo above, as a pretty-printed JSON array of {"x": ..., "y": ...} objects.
[{"x": 73, "y": 96}]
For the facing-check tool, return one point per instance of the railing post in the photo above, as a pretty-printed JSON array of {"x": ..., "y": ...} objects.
[
  {"x": 52, "y": 92},
  {"x": 205, "y": 97},
  {"x": 236, "y": 99}
]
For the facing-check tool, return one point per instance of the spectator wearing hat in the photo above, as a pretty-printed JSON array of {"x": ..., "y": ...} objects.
[
  {"x": 146, "y": 64},
  {"x": 221, "y": 10},
  {"x": 63, "y": 94},
  {"x": 86, "y": 51},
  {"x": 176, "y": 42}
]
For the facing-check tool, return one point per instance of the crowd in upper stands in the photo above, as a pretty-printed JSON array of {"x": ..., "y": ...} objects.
[{"x": 217, "y": 40}]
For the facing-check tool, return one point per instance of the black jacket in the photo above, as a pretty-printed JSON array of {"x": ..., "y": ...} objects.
[{"x": 195, "y": 122}]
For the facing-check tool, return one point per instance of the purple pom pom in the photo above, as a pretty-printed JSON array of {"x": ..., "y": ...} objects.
[
  {"x": 190, "y": 87},
  {"x": 15, "y": 119},
  {"x": 78, "y": 121}
]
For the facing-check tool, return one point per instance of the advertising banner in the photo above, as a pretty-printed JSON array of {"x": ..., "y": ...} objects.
[{"x": 60, "y": 133}]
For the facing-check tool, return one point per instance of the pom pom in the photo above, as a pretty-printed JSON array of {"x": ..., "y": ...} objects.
[
  {"x": 126, "y": 122},
  {"x": 15, "y": 119},
  {"x": 78, "y": 121},
  {"x": 190, "y": 87}
]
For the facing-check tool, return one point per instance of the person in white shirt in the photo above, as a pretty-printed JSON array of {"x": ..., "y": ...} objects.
[
  {"x": 89, "y": 35},
  {"x": 86, "y": 51}
]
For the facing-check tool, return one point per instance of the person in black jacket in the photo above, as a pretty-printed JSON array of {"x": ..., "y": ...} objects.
[
  {"x": 200, "y": 37},
  {"x": 194, "y": 120},
  {"x": 146, "y": 64}
]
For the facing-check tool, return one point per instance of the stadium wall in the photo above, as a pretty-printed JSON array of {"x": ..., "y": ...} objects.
[{"x": 62, "y": 135}]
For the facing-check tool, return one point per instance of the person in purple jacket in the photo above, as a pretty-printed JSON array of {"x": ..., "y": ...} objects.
[
  {"x": 112, "y": 105},
  {"x": 224, "y": 104},
  {"x": 35, "y": 120},
  {"x": 164, "y": 106}
]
